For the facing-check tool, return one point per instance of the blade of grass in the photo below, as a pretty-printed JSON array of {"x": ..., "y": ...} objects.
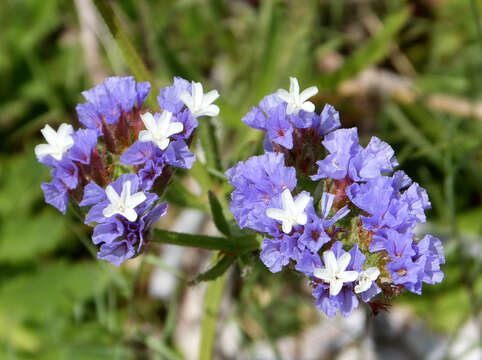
[
  {"x": 133, "y": 60},
  {"x": 373, "y": 51},
  {"x": 209, "y": 142}
]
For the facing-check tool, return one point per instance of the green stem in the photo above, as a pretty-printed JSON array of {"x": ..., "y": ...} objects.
[
  {"x": 243, "y": 244},
  {"x": 133, "y": 60},
  {"x": 212, "y": 301}
]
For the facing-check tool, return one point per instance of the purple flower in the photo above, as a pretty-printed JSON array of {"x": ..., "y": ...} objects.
[
  {"x": 280, "y": 130},
  {"x": 345, "y": 300},
  {"x": 117, "y": 252},
  {"x": 149, "y": 173},
  {"x": 108, "y": 232},
  {"x": 328, "y": 121},
  {"x": 314, "y": 235},
  {"x": 307, "y": 262},
  {"x": 255, "y": 118},
  {"x": 189, "y": 123},
  {"x": 56, "y": 194},
  {"x": 257, "y": 182},
  {"x": 178, "y": 154},
  {"x": 368, "y": 163},
  {"x": 67, "y": 172},
  {"x": 342, "y": 145},
  {"x": 89, "y": 117},
  {"x": 431, "y": 248},
  {"x": 381, "y": 197},
  {"x": 398, "y": 245},
  {"x": 138, "y": 153},
  {"x": 93, "y": 194},
  {"x": 96, "y": 212},
  {"x": 120, "y": 235},
  {"x": 85, "y": 140},
  {"x": 109, "y": 99},
  {"x": 347, "y": 157},
  {"x": 404, "y": 271},
  {"x": 277, "y": 253},
  {"x": 168, "y": 98}
]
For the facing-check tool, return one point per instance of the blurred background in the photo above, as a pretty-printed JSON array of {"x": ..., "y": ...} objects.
[{"x": 409, "y": 72}]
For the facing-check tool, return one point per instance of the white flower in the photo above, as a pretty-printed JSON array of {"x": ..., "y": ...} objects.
[
  {"x": 295, "y": 100},
  {"x": 334, "y": 272},
  {"x": 366, "y": 278},
  {"x": 58, "y": 142},
  {"x": 293, "y": 212},
  {"x": 159, "y": 130},
  {"x": 123, "y": 204},
  {"x": 198, "y": 103}
]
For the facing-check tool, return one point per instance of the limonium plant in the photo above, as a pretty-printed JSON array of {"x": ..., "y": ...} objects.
[
  {"x": 331, "y": 209},
  {"x": 116, "y": 168},
  {"x": 327, "y": 207}
]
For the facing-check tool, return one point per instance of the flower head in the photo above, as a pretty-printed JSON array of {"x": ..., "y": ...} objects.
[
  {"x": 293, "y": 211},
  {"x": 367, "y": 277},
  {"x": 58, "y": 142},
  {"x": 124, "y": 203},
  {"x": 297, "y": 101},
  {"x": 159, "y": 128},
  {"x": 198, "y": 103},
  {"x": 334, "y": 271}
]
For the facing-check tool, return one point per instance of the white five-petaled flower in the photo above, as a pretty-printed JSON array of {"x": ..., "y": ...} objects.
[
  {"x": 198, "y": 103},
  {"x": 159, "y": 130},
  {"x": 124, "y": 203},
  {"x": 58, "y": 142},
  {"x": 334, "y": 271},
  {"x": 293, "y": 212},
  {"x": 366, "y": 278},
  {"x": 295, "y": 100}
]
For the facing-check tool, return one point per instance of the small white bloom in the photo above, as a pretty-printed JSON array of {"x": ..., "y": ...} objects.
[
  {"x": 58, "y": 142},
  {"x": 366, "y": 278},
  {"x": 293, "y": 212},
  {"x": 334, "y": 271},
  {"x": 198, "y": 103},
  {"x": 295, "y": 100},
  {"x": 158, "y": 131},
  {"x": 123, "y": 204}
]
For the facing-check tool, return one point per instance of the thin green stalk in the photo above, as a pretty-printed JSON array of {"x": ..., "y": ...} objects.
[
  {"x": 133, "y": 60},
  {"x": 244, "y": 244},
  {"x": 212, "y": 301}
]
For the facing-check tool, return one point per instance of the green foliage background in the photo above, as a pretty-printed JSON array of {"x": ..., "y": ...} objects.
[{"x": 58, "y": 302}]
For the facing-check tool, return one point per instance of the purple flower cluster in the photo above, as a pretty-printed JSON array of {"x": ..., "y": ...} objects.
[
  {"x": 120, "y": 163},
  {"x": 291, "y": 133},
  {"x": 356, "y": 240}
]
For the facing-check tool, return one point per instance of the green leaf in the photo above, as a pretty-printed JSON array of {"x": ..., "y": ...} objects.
[
  {"x": 411, "y": 133},
  {"x": 215, "y": 271},
  {"x": 50, "y": 290},
  {"x": 218, "y": 216},
  {"x": 24, "y": 238}
]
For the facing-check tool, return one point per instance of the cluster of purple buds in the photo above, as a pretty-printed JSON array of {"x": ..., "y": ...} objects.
[
  {"x": 116, "y": 169},
  {"x": 345, "y": 221}
]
